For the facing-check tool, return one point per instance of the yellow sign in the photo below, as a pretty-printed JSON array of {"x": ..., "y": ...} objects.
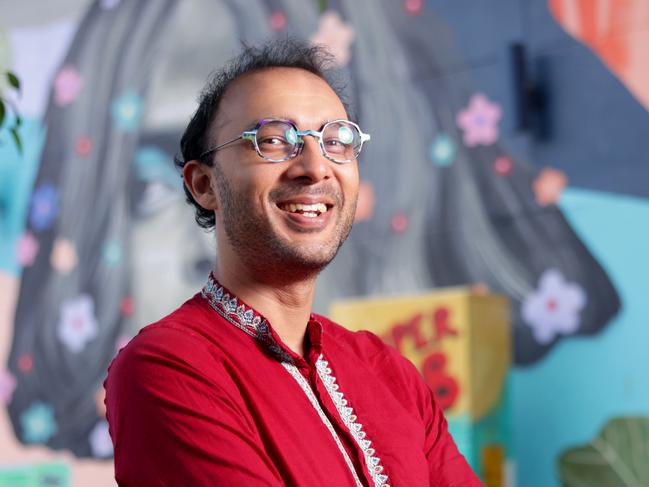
[{"x": 458, "y": 339}]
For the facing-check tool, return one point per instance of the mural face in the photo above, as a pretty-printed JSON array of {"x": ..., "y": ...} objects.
[{"x": 101, "y": 242}]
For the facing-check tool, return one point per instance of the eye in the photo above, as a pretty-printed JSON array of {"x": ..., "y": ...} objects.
[
  {"x": 333, "y": 142},
  {"x": 273, "y": 140},
  {"x": 335, "y": 146}
]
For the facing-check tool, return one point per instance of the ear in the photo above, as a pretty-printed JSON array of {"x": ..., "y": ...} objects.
[{"x": 198, "y": 179}]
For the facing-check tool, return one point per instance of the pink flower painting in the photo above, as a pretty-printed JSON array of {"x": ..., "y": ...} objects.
[
  {"x": 26, "y": 249},
  {"x": 399, "y": 223},
  {"x": 7, "y": 386},
  {"x": 277, "y": 21},
  {"x": 67, "y": 86},
  {"x": 413, "y": 7},
  {"x": 336, "y": 35},
  {"x": 503, "y": 166},
  {"x": 479, "y": 121}
]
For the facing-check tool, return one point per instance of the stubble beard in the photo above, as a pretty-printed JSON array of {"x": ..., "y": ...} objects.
[{"x": 260, "y": 248}]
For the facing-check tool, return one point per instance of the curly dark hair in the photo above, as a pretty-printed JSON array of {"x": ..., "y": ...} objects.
[{"x": 287, "y": 53}]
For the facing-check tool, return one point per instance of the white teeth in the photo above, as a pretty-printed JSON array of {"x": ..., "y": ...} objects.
[{"x": 307, "y": 210}]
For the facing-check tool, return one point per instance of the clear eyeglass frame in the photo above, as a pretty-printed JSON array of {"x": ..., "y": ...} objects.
[{"x": 251, "y": 135}]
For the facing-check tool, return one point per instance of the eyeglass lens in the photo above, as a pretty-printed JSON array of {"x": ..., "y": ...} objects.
[{"x": 278, "y": 140}]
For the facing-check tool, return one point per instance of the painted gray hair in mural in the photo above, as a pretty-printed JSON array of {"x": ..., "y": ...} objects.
[
  {"x": 465, "y": 223},
  {"x": 58, "y": 378}
]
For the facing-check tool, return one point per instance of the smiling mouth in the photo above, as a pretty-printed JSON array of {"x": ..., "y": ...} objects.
[{"x": 307, "y": 210}]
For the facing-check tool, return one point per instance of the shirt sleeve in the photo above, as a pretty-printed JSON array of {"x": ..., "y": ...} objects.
[
  {"x": 175, "y": 420},
  {"x": 447, "y": 466}
]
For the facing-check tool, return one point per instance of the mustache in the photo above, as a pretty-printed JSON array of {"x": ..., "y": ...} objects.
[{"x": 287, "y": 192}]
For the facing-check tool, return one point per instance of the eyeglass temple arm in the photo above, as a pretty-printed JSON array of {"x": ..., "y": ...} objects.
[{"x": 249, "y": 135}]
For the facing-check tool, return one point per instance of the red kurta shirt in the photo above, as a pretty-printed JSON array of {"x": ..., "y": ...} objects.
[{"x": 210, "y": 395}]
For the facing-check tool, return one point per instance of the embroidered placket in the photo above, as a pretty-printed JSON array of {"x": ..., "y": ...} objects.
[
  {"x": 306, "y": 387},
  {"x": 247, "y": 320},
  {"x": 346, "y": 412},
  {"x": 242, "y": 316}
]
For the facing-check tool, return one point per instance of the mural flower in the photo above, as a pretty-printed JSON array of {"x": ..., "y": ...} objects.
[
  {"x": 503, "y": 166},
  {"x": 554, "y": 307},
  {"x": 277, "y": 21},
  {"x": 7, "y": 386},
  {"x": 366, "y": 202},
  {"x": 153, "y": 164},
  {"x": 77, "y": 323},
  {"x": 127, "y": 306},
  {"x": 67, "y": 85},
  {"x": 25, "y": 363},
  {"x": 83, "y": 146},
  {"x": 112, "y": 253},
  {"x": 479, "y": 121},
  {"x": 445, "y": 389},
  {"x": 64, "y": 256},
  {"x": 45, "y": 206},
  {"x": 38, "y": 423},
  {"x": 399, "y": 223},
  {"x": 444, "y": 386},
  {"x": 548, "y": 186},
  {"x": 435, "y": 363},
  {"x": 336, "y": 35},
  {"x": 127, "y": 111},
  {"x": 413, "y": 7},
  {"x": 100, "y": 442},
  {"x": 442, "y": 150},
  {"x": 26, "y": 249}
]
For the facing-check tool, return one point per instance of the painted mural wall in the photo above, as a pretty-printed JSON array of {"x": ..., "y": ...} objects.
[{"x": 455, "y": 191}]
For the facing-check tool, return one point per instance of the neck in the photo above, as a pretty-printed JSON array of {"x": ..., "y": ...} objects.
[{"x": 284, "y": 300}]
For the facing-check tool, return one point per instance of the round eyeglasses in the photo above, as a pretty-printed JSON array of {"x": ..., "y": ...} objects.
[{"x": 279, "y": 140}]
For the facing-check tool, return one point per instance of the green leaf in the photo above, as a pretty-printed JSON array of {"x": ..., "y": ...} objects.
[
  {"x": 13, "y": 80},
  {"x": 2, "y": 112},
  {"x": 16, "y": 137},
  {"x": 617, "y": 456},
  {"x": 323, "y": 5}
]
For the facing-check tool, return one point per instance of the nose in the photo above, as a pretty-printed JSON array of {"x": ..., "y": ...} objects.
[{"x": 310, "y": 164}]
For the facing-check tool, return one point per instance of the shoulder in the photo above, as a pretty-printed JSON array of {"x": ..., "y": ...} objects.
[
  {"x": 192, "y": 330},
  {"x": 173, "y": 347},
  {"x": 175, "y": 332}
]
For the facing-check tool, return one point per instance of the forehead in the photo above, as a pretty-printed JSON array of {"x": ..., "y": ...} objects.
[{"x": 280, "y": 92}]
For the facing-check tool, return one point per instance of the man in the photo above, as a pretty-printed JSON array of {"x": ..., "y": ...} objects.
[{"x": 243, "y": 385}]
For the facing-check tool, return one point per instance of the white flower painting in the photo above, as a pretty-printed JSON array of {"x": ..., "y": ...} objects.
[
  {"x": 554, "y": 307},
  {"x": 77, "y": 323},
  {"x": 100, "y": 442}
]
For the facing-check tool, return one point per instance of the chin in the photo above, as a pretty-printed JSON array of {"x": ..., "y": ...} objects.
[{"x": 307, "y": 258}]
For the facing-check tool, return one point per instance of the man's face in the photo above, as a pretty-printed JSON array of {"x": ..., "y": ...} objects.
[{"x": 260, "y": 202}]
